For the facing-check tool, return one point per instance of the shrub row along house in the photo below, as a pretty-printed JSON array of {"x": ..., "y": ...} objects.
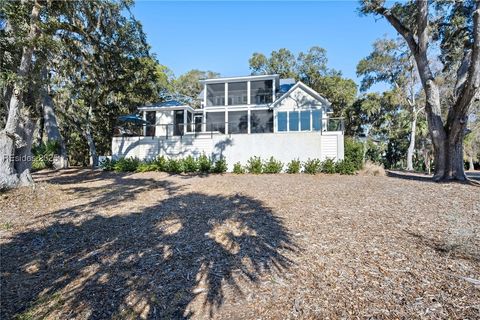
[{"x": 239, "y": 117}]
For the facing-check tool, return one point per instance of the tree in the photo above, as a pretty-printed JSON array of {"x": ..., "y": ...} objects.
[
  {"x": 16, "y": 138},
  {"x": 83, "y": 64},
  {"x": 281, "y": 62},
  {"x": 457, "y": 29},
  {"x": 188, "y": 87},
  {"x": 390, "y": 62},
  {"x": 310, "y": 68}
]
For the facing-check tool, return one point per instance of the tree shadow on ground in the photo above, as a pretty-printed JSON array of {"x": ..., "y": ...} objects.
[
  {"x": 467, "y": 250},
  {"x": 428, "y": 178},
  {"x": 163, "y": 261}
]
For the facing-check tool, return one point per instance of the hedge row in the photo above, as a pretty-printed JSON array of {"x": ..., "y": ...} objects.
[
  {"x": 255, "y": 165},
  {"x": 202, "y": 164}
]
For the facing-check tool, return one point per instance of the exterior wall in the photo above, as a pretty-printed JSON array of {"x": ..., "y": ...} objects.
[
  {"x": 298, "y": 99},
  {"x": 235, "y": 148},
  {"x": 164, "y": 117}
]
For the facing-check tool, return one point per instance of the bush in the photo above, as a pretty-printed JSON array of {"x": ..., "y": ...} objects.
[
  {"x": 312, "y": 166},
  {"x": 190, "y": 164},
  {"x": 108, "y": 164},
  {"x": 174, "y": 166},
  {"x": 126, "y": 165},
  {"x": 294, "y": 166},
  {"x": 345, "y": 167},
  {"x": 254, "y": 165},
  {"x": 238, "y": 169},
  {"x": 220, "y": 166},
  {"x": 372, "y": 169},
  {"x": 204, "y": 164},
  {"x": 146, "y": 166},
  {"x": 44, "y": 153},
  {"x": 272, "y": 166},
  {"x": 160, "y": 163},
  {"x": 354, "y": 152},
  {"x": 328, "y": 166}
]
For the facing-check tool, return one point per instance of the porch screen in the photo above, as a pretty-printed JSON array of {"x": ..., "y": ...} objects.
[
  {"x": 151, "y": 121},
  {"x": 216, "y": 121},
  {"x": 238, "y": 122},
  {"x": 261, "y": 121}
]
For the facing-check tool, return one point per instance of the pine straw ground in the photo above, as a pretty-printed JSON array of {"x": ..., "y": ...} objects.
[{"x": 93, "y": 245}]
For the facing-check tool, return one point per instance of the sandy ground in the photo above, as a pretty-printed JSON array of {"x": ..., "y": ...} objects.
[{"x": 93, "y": 245}]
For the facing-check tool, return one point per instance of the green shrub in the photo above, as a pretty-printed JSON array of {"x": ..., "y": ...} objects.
[
  {"x": 160, "y": 163},
  {"x": 174, "y": 166},
  {"x": 238, "y": 169},
  {"x": 294, "y": 166},
  {"x": 108, "y": 164},
  {"x": 354, "y": 152},
  {"x": 190, "y": 164},
  {"x": 44, "y": 153},
  {"x": 328, "y": 166},
  {"x": 204, "y": 164},
  {"x": 272, "y": 166},
  {"x": 345, "y": 167},
  {"x": 146, "y": 166},
  {"x": 312, "y": 166},
  {"x": 220, "y": 166},
  {"x": 254, "y": 165},
  {"x": 126, "y": 165}
]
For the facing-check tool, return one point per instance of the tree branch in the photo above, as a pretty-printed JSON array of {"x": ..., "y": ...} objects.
[{"x": 471, "y": 86}]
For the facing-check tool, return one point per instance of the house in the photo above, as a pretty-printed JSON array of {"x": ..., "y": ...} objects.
[{"x": 240, "y": 117}]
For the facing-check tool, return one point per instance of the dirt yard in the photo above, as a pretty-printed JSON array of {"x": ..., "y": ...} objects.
[{"x": 92, "y": 245}]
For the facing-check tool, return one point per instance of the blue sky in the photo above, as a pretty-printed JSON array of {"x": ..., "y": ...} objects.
[{"x": 221, "y": 36}]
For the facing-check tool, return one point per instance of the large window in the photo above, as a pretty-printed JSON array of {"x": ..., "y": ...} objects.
[
  {"x": 150, "y": 117},
  {"x": 317, "y": 120},
  {"x": 261, "y": 92},
  {"x": 237, "y": 93},
  {"x": 305, "y": 120},
  {"x": 282, "y": 121},
  {"x": 261, "y": 121},
  {"x": 293, "y": 121},
  {"x": 216, "y": 121},
  {"x": 216, "y": 94},
  {"x": 238, "y": 122}
]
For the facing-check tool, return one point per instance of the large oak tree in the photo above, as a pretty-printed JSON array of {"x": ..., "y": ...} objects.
[{"x": 455, "y": 26}]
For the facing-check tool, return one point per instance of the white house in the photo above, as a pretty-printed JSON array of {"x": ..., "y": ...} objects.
[{"x": 240, "y": 117}]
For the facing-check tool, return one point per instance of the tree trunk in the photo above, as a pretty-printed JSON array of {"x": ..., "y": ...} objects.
[
  {"x": 411, "y": 147},
  {"x": 471, "y": 166},
  {"x": 13, "y": 144},
  {"x": 91, "y": 148},
  {"x": 51, "y": 127},
  {"x": 23, "y": 164}
]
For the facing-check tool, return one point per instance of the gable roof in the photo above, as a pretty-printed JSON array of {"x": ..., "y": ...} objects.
[{"x": 305, "y": 88}]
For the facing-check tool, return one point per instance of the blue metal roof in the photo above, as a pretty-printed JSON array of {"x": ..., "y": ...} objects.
[
  {"x": 170, "y": 103},
  {"x": 285, "y": 87}
]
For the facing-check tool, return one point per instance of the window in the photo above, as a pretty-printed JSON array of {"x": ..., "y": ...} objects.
[
  {"x": 216, "y": 121},
  {"x": 238, "y": 122},
  {"x": 261, "y": 92},
  {"x": 150, "y": 117},
  {"x": 237, "y": 93},
  {"x": 216, "y": 94},
  {"x": 261, "y": 121},
  {"x": 282, "y": 121},
  {"x": 305, "y": 120},
  {"x": 317, "y": 120},
  {"x": 293, "y": 121}
]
